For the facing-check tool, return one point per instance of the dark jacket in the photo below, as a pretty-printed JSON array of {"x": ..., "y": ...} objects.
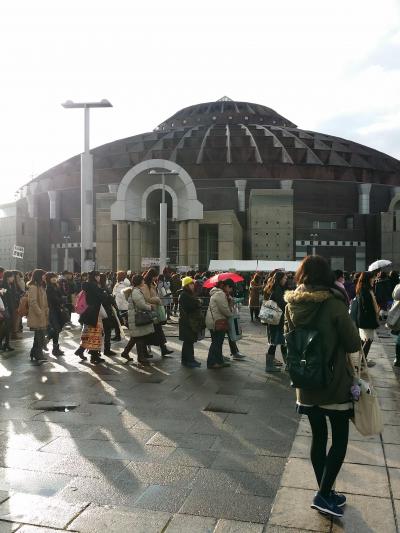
[
  {"x": 383, "y": 292},
  {"x": 94, "y": 299},
  {"x": 324, "y": 310},
  {"x": 366, "y": 315},
  {"x": 191, "y": 318},
  {"x": 108, "y": 304},
  {"x": 57, "y": 318},
  {"x": 9, "y": 298},
  {"x": 275, "y": 333}
]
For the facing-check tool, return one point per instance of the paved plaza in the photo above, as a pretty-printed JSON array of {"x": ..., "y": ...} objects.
[{"x": 120, "y": 449}]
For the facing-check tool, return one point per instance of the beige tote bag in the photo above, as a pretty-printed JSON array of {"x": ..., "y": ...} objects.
[{"x": 367, "y": 412}]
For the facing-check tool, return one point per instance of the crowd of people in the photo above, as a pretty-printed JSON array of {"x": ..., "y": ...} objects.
[{"x": 343, "y": 310}]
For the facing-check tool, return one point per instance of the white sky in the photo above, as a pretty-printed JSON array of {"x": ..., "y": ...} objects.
[{"x": 329, "y": 66}]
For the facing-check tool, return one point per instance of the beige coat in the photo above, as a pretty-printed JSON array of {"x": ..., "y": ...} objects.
[
  {"x": 219, "y": 307},
  {"x": 136, "y": 302},
  {"x": 151, "y": 295},
  {"x": 38, "y": 313}
]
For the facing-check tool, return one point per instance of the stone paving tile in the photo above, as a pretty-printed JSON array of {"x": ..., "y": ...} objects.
[
  {"x": 24, "y": 441},
  {"x": 182, "y": 440},
  {"x": 116, "y": 520},
  {"x": 391, "y": 435},
  {"x": 227, "y": 505},
  {"x": 36, "y": 529},
  {"x": 236, "y": 526},
  {"x": 391, "y": 418},
  {"x": 182, "y": 523},
  {"x": 365, "y": 513},
  {"x": 102, "y": 491},
  {"x": 162, "y": 498},
  {"x": 38, "y": 510},
  {"x": 300, "y": 517},
  {"x": 28, "y": 460},
  {"x": 389, "y": 404},
  {"x": 392, "y": 452},
  {"x": 42, "y": 483},
  {"x": 394, "y": 474},
  {"x": 270, "y": 528},
  {"x": 4, "y": 495},
  {"x": 116, "y": 434},
  {"x": 108, "y": 449},
  {"x": 10, "y": 527},
  {"x": 249, "y": 463},
  {"x": 159, "y": 474},
  {"x": 192, "y": 457},
  {"x": 93, "y": 467}
]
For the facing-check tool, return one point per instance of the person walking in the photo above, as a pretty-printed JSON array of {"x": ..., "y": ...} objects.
[
  {"x": 165, "y": 294},
  {"x": 316, "y": 304},
  {"x": 191, "y": 321},
  {"x": 58, "y": 317},
  {"x": 367, "y": 311},
  {"x": 91, "y": 319},
  {"x": 175, "y": 285},
  {"x": 38, "y": 313},
  {"x": 141, "y": 335},
  {"x": 122, "y": 282},
  {"x": 218, "y": 313},
  {"x": 9, "y": 297},
  {"x": 275, "y": 291},
  {"x": 254, "y": 296},
  {"x": 109, "y": 321},
  {"x": 151, "y": 297},
  {"x": 395, "y": 329}
]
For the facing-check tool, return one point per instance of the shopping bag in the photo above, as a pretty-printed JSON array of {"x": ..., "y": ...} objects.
[
  {"x": 270, "y": 313},
  {"x": 235, "y": 329},
  {"x": 367, "y": 412}
]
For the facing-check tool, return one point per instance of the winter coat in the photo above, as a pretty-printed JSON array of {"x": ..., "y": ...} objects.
[
  {"x": 38, "y": 313},
  {"x": 10, "y": 298},
  {"x": 175, "y": 284},
  {"x": 150, "y": 295},
  {"x": 109, "y": 304},
  {"x": 383, "y": 292},
  {"x": 137, "y": 302},
  {"x": 254, "y": 295},
  {"x": 324, "y": 310},
  {"x": 393, "y": 319},
  {"x": 191, "y": 318},
  {"x": 119, "y": 296},
  {"x": 55, "y": 303},
  {"x": 218, "y": 308},
  {"x": 367, "y": 310},
  {"x": 94, "y": 300},
  {"x": 166, "y": 300},
  {"x": 275, "y": 332}
]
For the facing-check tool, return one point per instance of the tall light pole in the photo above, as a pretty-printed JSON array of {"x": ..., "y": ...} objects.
[
  {"x": 163, "y": 218},
  {"x": 313, "y": 236},
  {"x": 87, "y": 230},
  {"x": 67, "y": 239}
]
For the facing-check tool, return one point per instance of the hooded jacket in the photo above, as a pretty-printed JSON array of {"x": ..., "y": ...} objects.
[
  {"x": 219, "y": 307},
  {"x": 324, "y": 310}
]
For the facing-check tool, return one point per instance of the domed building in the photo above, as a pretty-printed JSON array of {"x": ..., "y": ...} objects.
[{"x": 241, "y": 182}]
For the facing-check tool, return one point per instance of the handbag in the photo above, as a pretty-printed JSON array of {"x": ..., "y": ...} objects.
[
  {"x": 367, "y": 412},
  {"x": 270, "y": 313},
  {"x": 221, "y": 324},
  {"x": 161, "y": 315},
  {"x": 143, "y": 318}
]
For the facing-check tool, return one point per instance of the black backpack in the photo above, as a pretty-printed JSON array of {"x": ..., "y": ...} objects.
[{"x": 307, "y": 363}]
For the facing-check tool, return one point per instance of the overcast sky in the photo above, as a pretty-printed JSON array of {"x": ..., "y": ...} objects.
[{"x": 331, "y": 66}]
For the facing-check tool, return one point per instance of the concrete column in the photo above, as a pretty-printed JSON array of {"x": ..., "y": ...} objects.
[
  {"x": 183, "y": 244},
  {"x": 122, "y": 246},
  {"x": 241, "y": 187},
  {"x": 135, "y": 260},
  {"x": 32, "y": 202},
  {"x": 193, "y": 242},
  {"x": 364, "y": 190},
  {"x": 54, "y": 197}
]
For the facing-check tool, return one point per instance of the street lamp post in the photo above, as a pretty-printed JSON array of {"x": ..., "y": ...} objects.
[
  {"x": 67, "y": 239},
  {"x": 163, "y": 218},
  {"x": 87, "y": 230},
  {"x": 313, "y": 236}
]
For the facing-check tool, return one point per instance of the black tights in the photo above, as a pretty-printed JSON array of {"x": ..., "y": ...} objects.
[
  {"x": 327, "y": 467},
  {"x": 254, "y": 312},
  {"x": 366, "y": 346}
]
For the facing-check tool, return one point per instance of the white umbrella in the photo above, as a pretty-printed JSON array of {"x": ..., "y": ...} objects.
[{"x": 381, "y": 263}]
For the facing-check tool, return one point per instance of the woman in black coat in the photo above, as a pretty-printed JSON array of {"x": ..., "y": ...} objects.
[
  {"x": 57, "y": 315},
  {"x": 9, "y": 297},
  {"x": 191, "y": 322},
  {"x": 275, "y": 291},
  {"x": 109, "y": 322},
  {"x": 367, "y": 311}
]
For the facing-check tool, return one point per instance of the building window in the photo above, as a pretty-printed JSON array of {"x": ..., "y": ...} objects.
[
  {"x": 23, "y": 228},
  {"x": 321, "y": 224},
  {"x": 350, "y": 222}
]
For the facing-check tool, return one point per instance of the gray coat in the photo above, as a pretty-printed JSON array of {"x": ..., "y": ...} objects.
[{"x": 136, "y": 302}]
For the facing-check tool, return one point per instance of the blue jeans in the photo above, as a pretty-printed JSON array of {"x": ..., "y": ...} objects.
[{"x": 215, "y": 351}]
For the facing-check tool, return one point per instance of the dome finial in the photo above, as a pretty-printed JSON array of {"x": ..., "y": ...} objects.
[{"x": 225, "y": 99}]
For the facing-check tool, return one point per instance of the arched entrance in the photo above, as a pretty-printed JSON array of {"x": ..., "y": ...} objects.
[{"x": 135, "y": 212}]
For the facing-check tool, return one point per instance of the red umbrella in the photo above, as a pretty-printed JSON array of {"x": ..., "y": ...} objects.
[{"x": 211, "y": 282}]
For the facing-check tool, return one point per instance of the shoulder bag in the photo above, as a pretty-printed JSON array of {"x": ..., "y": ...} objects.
[
  {"x": 221, "y": 324},
  {"x": 367, "y": 412}
]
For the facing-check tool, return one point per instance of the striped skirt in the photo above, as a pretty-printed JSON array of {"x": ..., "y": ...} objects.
[{"x": 92, "y": 337}]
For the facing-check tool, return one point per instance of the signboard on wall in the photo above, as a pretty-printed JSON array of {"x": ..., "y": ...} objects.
[{"x": 18, "y": 252}]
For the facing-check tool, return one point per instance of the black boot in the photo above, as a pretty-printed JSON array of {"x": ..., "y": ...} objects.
[
  {"x": 79, "y": 352},
  {"x": 56, "y": 350},
  {"x": 95, "y": 357}
]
